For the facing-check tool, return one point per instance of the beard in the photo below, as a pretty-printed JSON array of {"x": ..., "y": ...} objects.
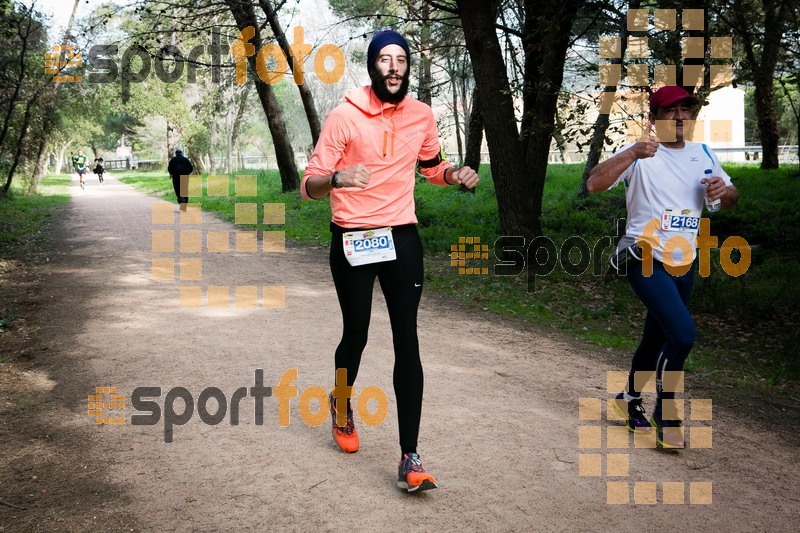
[{"x": 382, "y": 92}]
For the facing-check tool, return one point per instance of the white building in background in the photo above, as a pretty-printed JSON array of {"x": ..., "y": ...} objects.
[{"x": 723, "y": 123}]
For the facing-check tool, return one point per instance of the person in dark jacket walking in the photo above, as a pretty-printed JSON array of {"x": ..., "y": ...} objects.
[{"x": 179, "y": 166}]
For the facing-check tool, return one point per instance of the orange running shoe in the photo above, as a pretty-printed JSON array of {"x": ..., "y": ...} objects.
[
  {"x": 412, "y": 477},
  {"x": 346, "y": 437}
]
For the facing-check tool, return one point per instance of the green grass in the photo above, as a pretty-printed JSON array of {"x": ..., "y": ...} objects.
[
  {"x": 23, "y": 231},
  {"x": 23, "y": 216},
  {"x": 745, "y": 324}
]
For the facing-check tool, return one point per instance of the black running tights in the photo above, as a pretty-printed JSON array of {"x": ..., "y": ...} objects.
[{"x": 401, "y": 283}]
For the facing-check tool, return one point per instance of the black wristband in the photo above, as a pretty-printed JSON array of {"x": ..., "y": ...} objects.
[
  {"x": 444, "y": 176},
  {"x": 335, "y": 180}
]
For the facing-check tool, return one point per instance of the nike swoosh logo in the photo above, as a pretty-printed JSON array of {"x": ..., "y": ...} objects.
[{"x": 418, "y": 284}]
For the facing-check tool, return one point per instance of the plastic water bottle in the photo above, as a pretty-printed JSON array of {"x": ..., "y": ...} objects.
[{"x": 714, "y": 206}]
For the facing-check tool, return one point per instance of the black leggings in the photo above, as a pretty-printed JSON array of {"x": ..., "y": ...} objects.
[
  {"x": 401, "y": 283},
  {"x": 176, "y": 184}
]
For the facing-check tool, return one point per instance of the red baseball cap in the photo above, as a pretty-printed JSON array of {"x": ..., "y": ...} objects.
[{"x": 668, "y": 95}]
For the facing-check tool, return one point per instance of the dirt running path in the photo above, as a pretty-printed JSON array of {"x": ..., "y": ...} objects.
[{"x": 500, "y": 421}]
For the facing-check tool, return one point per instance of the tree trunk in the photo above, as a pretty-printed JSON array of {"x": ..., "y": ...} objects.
[
  {"x": 762, "y": 50},
  {"x": 284, "y": 154},
  {"x": 60, "y": 160},
  {"x": 212, "y": 137},
  {"x": 229, "y": 149},
  {"x": 171, "y": 141},
  {"x": 767, "y": 122},
  {"x": 546, "y": 36},
  {"x": 305, "y": 93},
  {"x": 457, "y": 121},
  {"x": 41, "y": 165},
  {"x": 23, "y": 133},
  {"x": 237, "y": 123},
  {"x": 18, "y": 83},
  {"x": 472, "y": 155},
  {"x": 512, "y": 183},
  {"x": 425, "y": 78},
  {"x": 601, "y": 123}
]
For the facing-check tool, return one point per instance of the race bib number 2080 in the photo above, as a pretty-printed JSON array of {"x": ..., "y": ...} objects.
[{"x": 369, "y": 246}]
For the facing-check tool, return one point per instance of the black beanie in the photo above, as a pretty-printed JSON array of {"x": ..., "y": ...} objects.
[{"x": 385, "y": 37}]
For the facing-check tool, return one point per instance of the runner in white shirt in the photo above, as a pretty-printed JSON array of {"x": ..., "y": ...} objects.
[{"x": 666, "y": 183}]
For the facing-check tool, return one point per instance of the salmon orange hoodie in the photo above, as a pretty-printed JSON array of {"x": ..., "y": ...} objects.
[{"x": 388, "y": 139}]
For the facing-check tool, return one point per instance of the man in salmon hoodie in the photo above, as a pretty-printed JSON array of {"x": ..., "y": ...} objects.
[{"x": 365, "y": 159}]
